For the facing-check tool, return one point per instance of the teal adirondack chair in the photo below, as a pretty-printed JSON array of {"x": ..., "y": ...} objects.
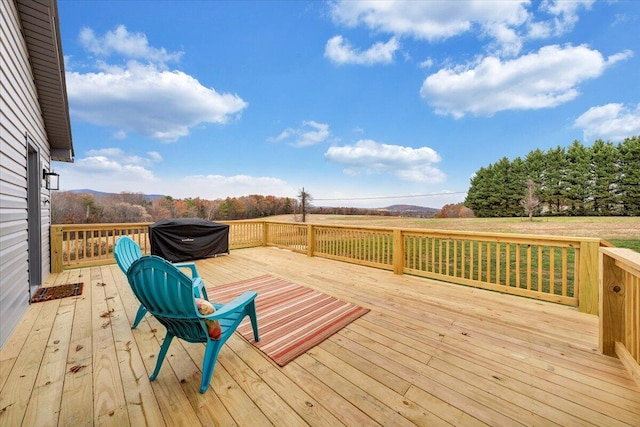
[
  {"x": 126, "y": 252},
  {"x": 169, "y": 295}
]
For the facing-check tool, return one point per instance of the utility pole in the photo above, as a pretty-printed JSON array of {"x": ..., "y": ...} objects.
[
  {"x": 305, "y": 201},
  {"x": 304, "y": 205}
]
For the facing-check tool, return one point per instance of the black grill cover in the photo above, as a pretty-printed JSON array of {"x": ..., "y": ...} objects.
[{"x": 185, "y": 239}]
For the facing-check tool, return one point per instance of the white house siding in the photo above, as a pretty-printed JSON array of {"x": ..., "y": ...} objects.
[{"x": 20, "y": 116}]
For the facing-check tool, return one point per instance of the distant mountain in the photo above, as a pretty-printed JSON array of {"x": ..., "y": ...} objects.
[
  {"x": 412, "y": 210},
  {"x": 95, "y": 193}
]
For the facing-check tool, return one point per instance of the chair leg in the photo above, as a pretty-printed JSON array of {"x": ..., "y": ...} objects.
[
  {"x": 251, "y": 311},
  {"x": 163, "y": 352},
  {"x": 139, "y": 315},
  {"x": 209, "y": 363}
]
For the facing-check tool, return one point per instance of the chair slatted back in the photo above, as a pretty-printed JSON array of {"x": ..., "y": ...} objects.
[
  {"x": 167, "y": 293},
  {"x": 126, "y": 252}
]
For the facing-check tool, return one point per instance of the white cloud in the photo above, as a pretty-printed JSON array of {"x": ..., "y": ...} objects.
[
  {"x": 122, "y": 42},
  {"x": 621, "y": 56},
  {"x": 102, "y": 165},
  {"x": 219, "y": 186},
  {"x": 142, "y": 95},
  {"x": 436, "y": 20},
  {"x": 340, "y": 51},
  {"x": 106, "y": 152},
  {"x": 564, "y": 14},
  {"x": 427, "y": 20},
  {"x": 544, "y": 79},
  {"x": 407, "y": 163},
  {"x": 114, "y": 170},
  {"x": 109, "y": 170},
  {"x": 159, "y": 104},
  {"x": 507, "y": 41},
  {"x": 505, "y": 23},
  {"x": 310, "y": 133},
  {"x": 115, "y": 159},
  {"x": 155, "y": 156},
  {"x": 427, "y": 63},
  {"x": 610, "y": 122}
]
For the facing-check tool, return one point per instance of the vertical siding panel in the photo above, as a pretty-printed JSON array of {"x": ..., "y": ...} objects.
[{"x": 19, "y": 115}]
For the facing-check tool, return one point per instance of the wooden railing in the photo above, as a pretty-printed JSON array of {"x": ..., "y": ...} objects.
[
  {"x": 620, "y": 307},
  {"x": 558, "y": 269},
  {"x": 541, "y": 267},
  {"x": 372, "y": 247},
  {"x": 245, "y": 234},
  {"x": 579, "y": 272},
  {"x": 83, "y": 245}
]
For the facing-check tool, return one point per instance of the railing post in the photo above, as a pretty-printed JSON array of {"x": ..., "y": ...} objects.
[
  {"x": 398, "y": 251},
  {"x": 55, "y": 239},
  {"x": 588, "y": 277},
  {"x": 265, "y": 233},
  {"x": 611, "y": 305},
  {"x": 311, "y": 239}
]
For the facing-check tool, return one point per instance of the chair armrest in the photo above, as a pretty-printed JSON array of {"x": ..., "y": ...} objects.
[
  {"x": 238, "y": 303},
  {"x": 199, "y": 291},
  {"x": 191, "y": 266}
]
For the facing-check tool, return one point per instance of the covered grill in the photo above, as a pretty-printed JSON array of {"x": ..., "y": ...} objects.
[{"x": 184, "y": 239}]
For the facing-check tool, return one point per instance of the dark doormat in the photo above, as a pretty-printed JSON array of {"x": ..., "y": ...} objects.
[{"x": 55, "y": 292}]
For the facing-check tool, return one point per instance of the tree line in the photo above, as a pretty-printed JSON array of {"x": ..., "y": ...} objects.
[
  {"x": 69, "y": 207},
  {"x": 79, "y": 208},
  {"x": 603, "y": 179}
]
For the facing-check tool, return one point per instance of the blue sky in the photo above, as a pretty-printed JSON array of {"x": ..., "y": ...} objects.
[{"x": 363, "y": 104}]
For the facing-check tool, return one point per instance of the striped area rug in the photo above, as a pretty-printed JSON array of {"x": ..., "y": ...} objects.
[{"x": 291, "y": 318}]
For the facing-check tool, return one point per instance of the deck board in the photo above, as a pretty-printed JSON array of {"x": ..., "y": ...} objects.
[{"x": 428, "y": 353}]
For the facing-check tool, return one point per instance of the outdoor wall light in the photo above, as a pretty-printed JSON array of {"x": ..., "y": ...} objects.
[{"x": 51, "y": 179}]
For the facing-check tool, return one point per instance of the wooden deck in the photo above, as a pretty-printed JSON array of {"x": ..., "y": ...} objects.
[{"x": 428, "y": 353}]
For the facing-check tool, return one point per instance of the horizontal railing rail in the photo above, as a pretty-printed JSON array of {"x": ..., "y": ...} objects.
[
  {"x": 558, "y": 269},
  {"x": 620, "y": 307}
]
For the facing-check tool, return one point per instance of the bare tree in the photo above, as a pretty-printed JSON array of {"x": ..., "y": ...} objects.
[
  {"x": 530, "y": 202},
  {"x": 125, "y": 212}
]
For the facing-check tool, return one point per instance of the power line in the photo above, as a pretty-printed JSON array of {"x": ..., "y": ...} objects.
[{"x": 393, "y": 197}]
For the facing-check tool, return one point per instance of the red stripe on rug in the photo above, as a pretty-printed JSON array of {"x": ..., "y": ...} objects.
[{"x": 291, "y": 318}]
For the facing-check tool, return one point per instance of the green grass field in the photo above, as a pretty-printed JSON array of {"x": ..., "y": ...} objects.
[{"x": 626, "y": 243}]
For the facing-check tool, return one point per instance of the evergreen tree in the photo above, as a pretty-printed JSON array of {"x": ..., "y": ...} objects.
[
  {"x": 602, "y": 180},
  {"x": 515, "y": 187},
  {"x": 481, "y": 198},
  {"x": 500, "y": 185},
  {"x": 534, "y": 164},
  {"x": 554, "y": 179},
  {"x": 629, "y": 182},
  {"x": 604, "y": 175},
  {"x": 578, "y": 187}
]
